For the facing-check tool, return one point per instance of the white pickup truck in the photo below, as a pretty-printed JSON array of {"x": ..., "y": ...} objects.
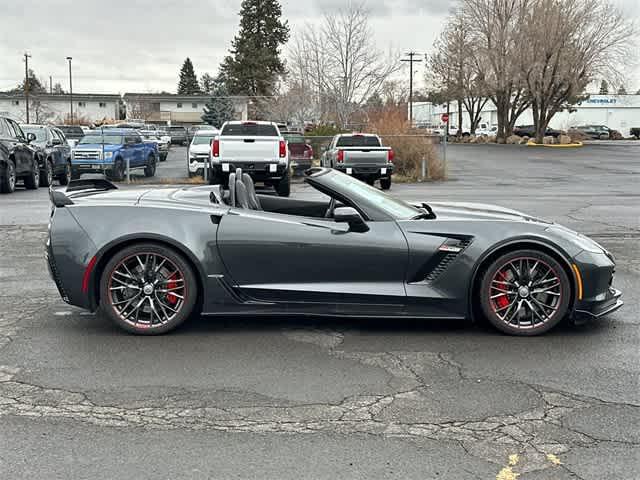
[{"x": 256, "y": 147}]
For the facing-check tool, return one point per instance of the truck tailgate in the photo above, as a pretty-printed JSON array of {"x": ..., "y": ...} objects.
[
  {"x": 365, "y": 156},
  {"x": 249, "y": 149}
]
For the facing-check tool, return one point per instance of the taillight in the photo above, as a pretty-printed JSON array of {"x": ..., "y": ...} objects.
[
  {"x": 283, "y": 149},
  {"x": 340, "y": 156},
  {"x": 310, "y": 150},
  {"x": 215, "y": 148},
  {"x": 391, "y": 155}
]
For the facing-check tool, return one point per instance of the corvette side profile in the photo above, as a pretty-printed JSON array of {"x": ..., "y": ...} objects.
[{"x": 355, "y": 251}]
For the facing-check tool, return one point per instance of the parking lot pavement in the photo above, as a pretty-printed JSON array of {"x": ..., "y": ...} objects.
[{"x": 306, "y": 398}]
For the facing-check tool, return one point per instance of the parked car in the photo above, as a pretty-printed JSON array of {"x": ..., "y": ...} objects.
[
  {"x": 362, "y": 156},
  {"x": 54, "y": 152},
  {"x": 200, "y": 151},
  {"x": 300, "y": 152},
  {"x": 453, "y": 131},
  {"x": 161, "y": 142},
  {"x": 257, "y": 148},
  {"x": 530, "y": 131},
  {"x": 18, "y": 159},
  {"x": 73, "y": 133},
  {"x": 178, "y": 134},
  {"x": 486, "y": 129},
  {"x": 597, "y": 132},
  {"x": 107, "y": 151},
  {"x": 354, "y": 251}
]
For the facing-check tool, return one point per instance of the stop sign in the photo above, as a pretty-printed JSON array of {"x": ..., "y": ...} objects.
[{"x": 445, "y": 118}]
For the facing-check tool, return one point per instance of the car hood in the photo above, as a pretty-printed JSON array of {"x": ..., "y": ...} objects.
[{"x": 478, "y": 211}]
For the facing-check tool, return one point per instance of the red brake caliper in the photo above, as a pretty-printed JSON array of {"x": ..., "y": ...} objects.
[
  {"x": 171, "y": 284},
  {"x": 501, "y": 301}
]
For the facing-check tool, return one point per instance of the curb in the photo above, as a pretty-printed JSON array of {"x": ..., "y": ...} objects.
[{"x": 531, "y": 143}]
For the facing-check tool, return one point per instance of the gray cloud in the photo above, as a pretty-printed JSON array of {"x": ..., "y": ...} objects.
[{"x": 139, "y": 45}]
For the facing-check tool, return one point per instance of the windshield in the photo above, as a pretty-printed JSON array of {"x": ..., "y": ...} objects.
[
  {"x": 361, "y": 193},
  {"x": 147, "y": 136},
  {"x": 202, "y": 139},
  {"x": 40, "y": 133},
  {"x": 107, "y": 139},
  {"x": 358, "y": 141}
]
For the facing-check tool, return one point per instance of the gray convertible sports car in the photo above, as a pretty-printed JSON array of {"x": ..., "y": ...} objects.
[{"x": 149, "y": 258}]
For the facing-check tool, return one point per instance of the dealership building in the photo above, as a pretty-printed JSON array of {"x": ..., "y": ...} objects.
[{"x": 618, "y": 112}]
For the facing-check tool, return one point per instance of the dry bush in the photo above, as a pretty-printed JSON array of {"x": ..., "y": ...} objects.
[
  {"x": 410, "y": 148},
  {"x": 576, "y": 135}
]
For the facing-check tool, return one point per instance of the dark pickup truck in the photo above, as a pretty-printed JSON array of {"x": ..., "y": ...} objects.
[
  {"x": 300, "y": 152},
  {"x": 362, "y": 156}
]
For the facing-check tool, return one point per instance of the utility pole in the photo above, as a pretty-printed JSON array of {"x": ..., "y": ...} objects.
[
  {"x": 26, "y": 81},
  {"x": 50, "y": 85},
  {"x": 411, "y": 61},
  {"x": 70, "y": 90}
]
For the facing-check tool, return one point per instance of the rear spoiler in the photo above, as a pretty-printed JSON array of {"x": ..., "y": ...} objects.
[{"x": 60, "y": 198}]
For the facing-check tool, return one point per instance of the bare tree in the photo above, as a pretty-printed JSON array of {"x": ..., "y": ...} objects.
[
  {"x": 340, "y": 62},
  {"x": 140, "y": 109},
  {"x": 494, "y": 28},
  {"x": 454, "y": 69},
  {"x": 572, "y": 42}
]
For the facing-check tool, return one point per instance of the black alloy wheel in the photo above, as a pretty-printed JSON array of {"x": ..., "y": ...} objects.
[
  {"x": 148, "y": 289},
  {"x": 525, "y": 292},
  {"x": 8, "y": 180}
]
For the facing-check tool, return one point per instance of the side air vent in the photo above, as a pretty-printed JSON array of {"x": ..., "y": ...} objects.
[{"x": 441, "y": 260}]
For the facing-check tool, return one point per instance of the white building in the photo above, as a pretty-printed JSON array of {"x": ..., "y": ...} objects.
[
  {"x": 618, "y": 112},
  {"x": 45, "y": 108},
  {"x": 174, "y": 109}
]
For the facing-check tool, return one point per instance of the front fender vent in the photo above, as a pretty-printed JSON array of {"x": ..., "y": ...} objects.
[{"x": 438, "y": 264}]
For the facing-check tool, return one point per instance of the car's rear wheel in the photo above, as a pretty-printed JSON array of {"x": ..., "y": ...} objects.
[
  {"x": 148, "y": 289},
  {"x": 8, "y": 178},
  {"x": 525, "y": 292},
  {"x": 46, "y": 175},
  {"x": 385, "y": 183},
  {"x": 283, "y": 187},
  {"x": 32, "y": 180},
  {"x": 118, "y": 172}
]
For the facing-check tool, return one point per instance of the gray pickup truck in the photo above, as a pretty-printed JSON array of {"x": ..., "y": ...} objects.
[{"x": 362, "y": 156}]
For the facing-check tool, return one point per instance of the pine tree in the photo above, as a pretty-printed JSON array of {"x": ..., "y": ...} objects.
[
  {"x": 254, "y": 61},
  {"x": 207, "y": 83},
  {"x": 188, "y": 83},
  {"x": 220, "y": 108},
  {"x": 604, "y": 88},
  {"x": 35, "y": 85},
  {"x": 622, "y": 90}
]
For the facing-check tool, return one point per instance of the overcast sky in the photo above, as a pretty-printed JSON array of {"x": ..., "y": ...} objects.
[{"x": 139, "y": 45}]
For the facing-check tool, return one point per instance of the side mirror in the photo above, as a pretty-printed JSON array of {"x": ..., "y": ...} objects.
[
  {"x": 56, "y": 141},
  {"x": 31, "y": 137},
  {"x": 351, "y": 216}
]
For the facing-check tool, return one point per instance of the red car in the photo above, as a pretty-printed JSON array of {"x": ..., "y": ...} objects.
[{"x": 300, "y": 152}]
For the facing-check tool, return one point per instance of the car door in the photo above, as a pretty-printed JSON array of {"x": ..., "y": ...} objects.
[
  {"x": 130, "y": 151},
  {"x": 57, "y": 145},
  {"x": 315, "y": 261},
  {"x": 22, "y": 152}
]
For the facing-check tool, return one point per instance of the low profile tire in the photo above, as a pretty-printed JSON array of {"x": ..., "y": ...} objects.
[
  {"x": 8, "y": 178},
  {"x": 147, "y": 289},
  {"x": 32, "y": 180},
  {"x": 150, "y": 169},
  {"x": 46, "y": 175},
  {"x": 525, "y": 292},
  {"x": 283, "y": 187},
  {"x": 163, "y": 158},
  {"x": 65, "y": 177},
  {"x": 385, "y": 183}
]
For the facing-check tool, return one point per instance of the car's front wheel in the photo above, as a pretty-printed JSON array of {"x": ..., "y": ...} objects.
[
  {"x": 65, "y": 177},
  {"x": 525, "y": 292},
  {"x": 148, "y": 289},
  {"x": 150, "y": 169}
]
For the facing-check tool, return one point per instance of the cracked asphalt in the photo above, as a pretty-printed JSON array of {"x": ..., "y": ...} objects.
[{"x": 284, "y": 398}]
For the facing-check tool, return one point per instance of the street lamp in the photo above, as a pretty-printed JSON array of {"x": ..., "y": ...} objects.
[
  {"x": 70, "y": 91},
  {"x": 411, "y": 61},
  {"x": 26, "y": 82}
]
